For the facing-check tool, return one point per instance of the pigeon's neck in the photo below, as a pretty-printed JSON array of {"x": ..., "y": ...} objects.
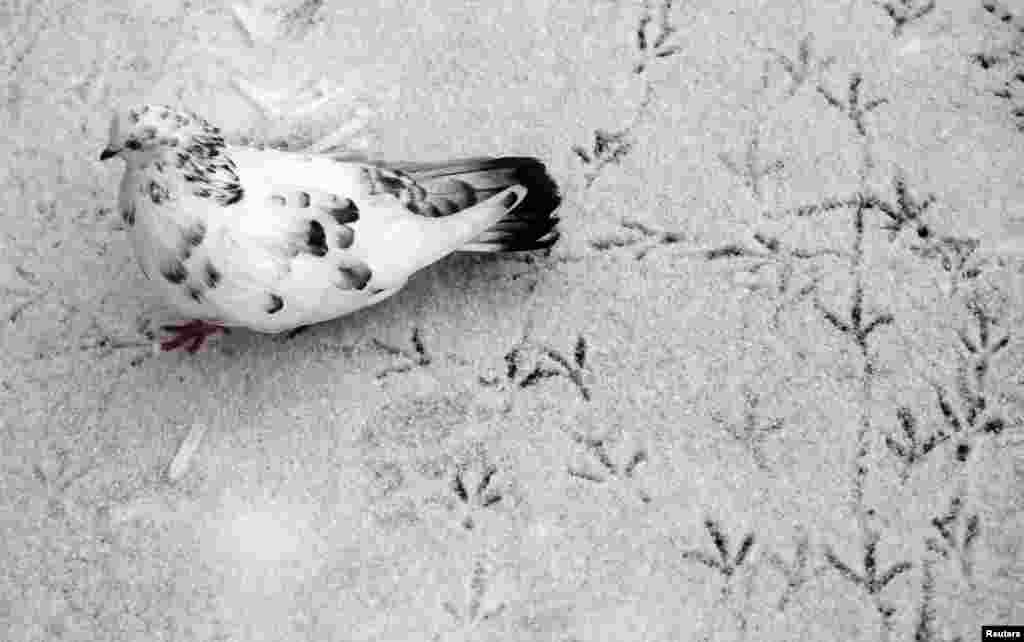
[{"x": 200, "y": 167}]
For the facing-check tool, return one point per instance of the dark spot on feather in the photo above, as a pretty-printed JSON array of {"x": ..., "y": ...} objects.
[
  {"x": 316, "y": 239},
  {"x": 211, "y": 275},
  {"x": 446, "y": 206},
  {"x": 277, "y": 199},
  {"x": 133, "y": 115},
  {"x": 275, "y": 305},
  {"x": 157, "y": 192},
  {"x": 424, "y": 209},
  {"x": 201, "y": 192},
  {"x": 346, "y": 236},
  {"x": 195, "y": 294},
  {"x": 133, "y": 144},
  {"x": 128, "y": 214},
  {"x": 391, "y": 184},
  {"x": 174, "y": 271},
  {"x": 233, "y": 194},
  {"x": 158, "y": 166},
  {"x": 164, "y": 114},
  {"x": 181, "y": 160},
  {"x": 417, "y": 192},
  {"x": 962, "y": 452},
  {"x": 206, "y": 148},
  {"x": 148, "y": 132},
  {"x": 195, "y": 234},
  {"x": 302, "y": 199},
  {"x": 354, "y": 277},
  {"x": 343, "y": 210}
]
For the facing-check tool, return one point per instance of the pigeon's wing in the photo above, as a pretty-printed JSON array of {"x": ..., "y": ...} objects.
[{"x": 314, "y": 238}]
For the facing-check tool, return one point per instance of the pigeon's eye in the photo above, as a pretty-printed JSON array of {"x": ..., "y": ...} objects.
[{"x": 131, "y": 143}]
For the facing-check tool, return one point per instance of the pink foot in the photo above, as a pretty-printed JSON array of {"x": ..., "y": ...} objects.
[{"x": 193, "y": 333}]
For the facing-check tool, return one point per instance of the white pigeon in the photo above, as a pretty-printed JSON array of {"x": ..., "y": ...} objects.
[{"x": 273, "y": 240}]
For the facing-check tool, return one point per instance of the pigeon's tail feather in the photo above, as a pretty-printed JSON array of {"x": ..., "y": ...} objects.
[{"x": 455, "y": 185}]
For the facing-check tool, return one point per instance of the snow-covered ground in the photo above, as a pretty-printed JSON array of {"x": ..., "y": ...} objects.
[{"x": 768, "y": 386}]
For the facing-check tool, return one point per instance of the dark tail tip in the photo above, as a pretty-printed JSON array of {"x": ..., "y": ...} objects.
[
  {"x": 454, "y": 185},
  {"x": 531, "y": 225},
  {"x": 543, "y": 197}
]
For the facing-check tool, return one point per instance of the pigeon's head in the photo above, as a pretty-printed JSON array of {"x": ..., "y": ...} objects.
[{"x": 142, "y": 132}]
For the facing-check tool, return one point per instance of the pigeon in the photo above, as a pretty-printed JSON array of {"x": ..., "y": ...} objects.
[{"x": 273, "y": 241}]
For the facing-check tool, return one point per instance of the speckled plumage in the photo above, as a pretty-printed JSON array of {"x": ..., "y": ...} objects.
[{"x": 272, "y": 240}]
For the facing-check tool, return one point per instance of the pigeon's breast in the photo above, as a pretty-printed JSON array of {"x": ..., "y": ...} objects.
[{"x": 169, "y": 230}]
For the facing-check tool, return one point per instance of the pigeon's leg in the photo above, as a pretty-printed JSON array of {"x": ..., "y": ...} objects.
[{"x": 193, "y": 333}]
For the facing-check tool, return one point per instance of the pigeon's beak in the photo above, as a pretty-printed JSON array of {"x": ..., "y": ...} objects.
[{"x": 109, "y": 153}]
